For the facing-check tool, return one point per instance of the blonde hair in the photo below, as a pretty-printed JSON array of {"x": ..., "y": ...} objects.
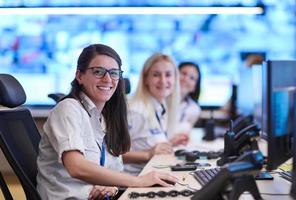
[{"x": 141, "y": 101}]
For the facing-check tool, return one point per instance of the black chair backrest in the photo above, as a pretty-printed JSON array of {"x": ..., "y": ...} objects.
[
  {"x": 127, "y": 85},
  {"x": 19, "y": 136},
  {"x": 4, "y": 188},
  {"x": 56, "y": 96}
]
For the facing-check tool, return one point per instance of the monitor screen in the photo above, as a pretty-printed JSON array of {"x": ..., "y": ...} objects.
[
  {"x": 245, "y": 90},
  {"x": 48, "y": 45},
  {"x": 216, "y": 91},
  {"x": 279, "y": 87},
  {"x": 257, "y": 94}
]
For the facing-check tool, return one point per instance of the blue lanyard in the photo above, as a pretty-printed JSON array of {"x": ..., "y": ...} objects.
[
  {"x": 103, "y": 153},
  {"x": 103, "y": 149}
]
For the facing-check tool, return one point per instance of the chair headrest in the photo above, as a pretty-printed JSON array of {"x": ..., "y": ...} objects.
[
  {"x": 127, "y": 85},
  {"x": 12, "y": 93}
]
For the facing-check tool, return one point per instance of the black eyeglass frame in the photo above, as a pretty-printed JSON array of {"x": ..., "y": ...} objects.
[{"x": 105, "y": 71}]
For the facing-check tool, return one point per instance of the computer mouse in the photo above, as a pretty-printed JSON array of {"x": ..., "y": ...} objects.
[
  {"x": 180, "y": 152},
  {"x": 190, "y": 157},
  {"x": 167, "y": 181}
]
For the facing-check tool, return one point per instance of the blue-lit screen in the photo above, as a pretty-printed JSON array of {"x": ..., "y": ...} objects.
[{"x": 41, "y": 51}]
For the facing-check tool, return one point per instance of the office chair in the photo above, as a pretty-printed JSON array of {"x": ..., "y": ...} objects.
[
  {"x": 56, "y": 96},
  {"x": 4, "y": 188},
  {"x": 19, "y": 136},
  {"x": 127, "y": 85}
]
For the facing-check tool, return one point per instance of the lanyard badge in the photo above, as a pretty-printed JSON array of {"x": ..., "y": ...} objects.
[{"x": 103, "y": 153}]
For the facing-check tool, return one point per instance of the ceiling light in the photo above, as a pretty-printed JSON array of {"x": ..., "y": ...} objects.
[{"x": 129, "y": 10}]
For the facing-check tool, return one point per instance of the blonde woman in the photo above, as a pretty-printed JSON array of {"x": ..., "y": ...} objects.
[{"x": 153, "y": 113}]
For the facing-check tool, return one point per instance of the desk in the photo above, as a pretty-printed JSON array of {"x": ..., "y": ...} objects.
[{"x": 276, "y": 186}]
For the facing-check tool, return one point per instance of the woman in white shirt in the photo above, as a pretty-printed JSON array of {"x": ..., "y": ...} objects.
[
  {"x": 87, "y": 132},
  {"x": 153, "y": 113},
  {"x": 190, "y": 78}
]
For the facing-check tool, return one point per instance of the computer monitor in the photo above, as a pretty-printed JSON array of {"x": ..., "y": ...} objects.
[
  {"x": 216, "y": 91},
  {"x": 278, "y": 110},
  {"x": 257, "y": 94}
]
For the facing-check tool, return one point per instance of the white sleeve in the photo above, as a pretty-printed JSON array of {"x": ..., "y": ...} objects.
[
  {"x": 64, "y": 127},
  {"x": 137, "y": 125}
]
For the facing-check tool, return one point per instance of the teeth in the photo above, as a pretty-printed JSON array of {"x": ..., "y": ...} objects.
[{"x": 104, "y": 88}]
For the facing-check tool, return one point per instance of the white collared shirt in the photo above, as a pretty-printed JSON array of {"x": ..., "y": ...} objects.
[
  {"x": 71, "y": 125},
  {"x": 189, "y": 114},
  {"x": 143, "y": 135}
]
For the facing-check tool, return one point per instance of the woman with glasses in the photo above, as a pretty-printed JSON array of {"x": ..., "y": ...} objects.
[
  {"x": 190, "y": 77},
  {"x": 153, "y": 113},
  {"x": 86, "y": 134}
]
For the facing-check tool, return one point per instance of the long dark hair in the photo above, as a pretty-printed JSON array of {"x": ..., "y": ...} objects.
[
  {"x": 195, "y": 94},
  {"x": 115, "y": 110}
]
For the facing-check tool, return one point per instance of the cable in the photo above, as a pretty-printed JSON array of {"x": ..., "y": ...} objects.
[
  {"x": 161, "y": 166},
  {"x": 274, "y": 194},
  {"x": 188, "y": 186},
  {"x": 172, "y": 193}
]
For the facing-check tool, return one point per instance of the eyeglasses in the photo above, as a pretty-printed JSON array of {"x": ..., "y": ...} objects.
[{"x": 100, "y": 72}]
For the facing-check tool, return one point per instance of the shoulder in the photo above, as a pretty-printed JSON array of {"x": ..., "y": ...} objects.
[
  {"x": 193, "y": 105},
  {"x": 136, "y": 116},
  {"x": 67, "y": 106},
  {"x": 136, "y": 106}
]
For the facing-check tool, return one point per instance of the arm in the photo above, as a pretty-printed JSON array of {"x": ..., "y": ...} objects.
[
  {"x": 179, "y": 139},
  {"x": 137, "y": 156},
  {"x": 145, "y": 156},
  {"x": 80, "y": 168}
]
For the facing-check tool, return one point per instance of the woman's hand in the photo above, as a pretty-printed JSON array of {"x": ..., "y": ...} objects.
[
  {"x": 180, "y": 139},
  {"x": 101, "y": 192},
  {"x": 159, "y": 178},
  {"x": 161, "y": 148}
]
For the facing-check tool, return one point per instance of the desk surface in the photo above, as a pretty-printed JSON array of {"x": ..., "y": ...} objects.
[{"x": 276, "y": 186}]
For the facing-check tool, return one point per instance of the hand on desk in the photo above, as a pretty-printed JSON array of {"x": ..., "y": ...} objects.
[
  {"x": 180, "y": 139},
  {"x": 101, "y": 192},
  {"x": 161, "y": 148},
  {"x": 157, "y": 178}
]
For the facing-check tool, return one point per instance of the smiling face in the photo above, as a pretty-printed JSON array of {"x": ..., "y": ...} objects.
[
  {"x": 99, "y": 90},
  {"x": 188, "y": 79},
  {"x": 160, "y": 80}
]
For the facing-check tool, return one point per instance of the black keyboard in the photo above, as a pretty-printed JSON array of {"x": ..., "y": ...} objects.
[
  {"x": 286, "y": 175},
  {"x": 205, "y": 175}
]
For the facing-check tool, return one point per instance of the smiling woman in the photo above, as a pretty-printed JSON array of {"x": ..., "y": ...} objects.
[
  {"x": 96, "y": 82},
  {"x": 86, "y": 133},
  {"x": 153, "y": 112}
]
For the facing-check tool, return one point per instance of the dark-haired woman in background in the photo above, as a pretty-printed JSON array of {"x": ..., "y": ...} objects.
[
  {"x": 190, "y": 78},
  {"x": 87, "y": 132}
]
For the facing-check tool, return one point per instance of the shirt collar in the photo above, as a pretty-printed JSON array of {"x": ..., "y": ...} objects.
[
  {"x": 88, "y": 105},
  {"x": 160, "y": 108}
]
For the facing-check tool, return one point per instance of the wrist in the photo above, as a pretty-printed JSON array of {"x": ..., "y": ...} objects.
[
  {"x": 136, "y": 181},
  {"x": 149, "y": 154}
]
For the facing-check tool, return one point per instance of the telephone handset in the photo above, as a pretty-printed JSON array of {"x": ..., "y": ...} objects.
[
  {"x": 235, "y": 143},
  {"x": 246, "y": 139},
  {"x": 241, "y": 122},
  {"x": 249, "y": 128},
  {"x": 234, "y": 178}
]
